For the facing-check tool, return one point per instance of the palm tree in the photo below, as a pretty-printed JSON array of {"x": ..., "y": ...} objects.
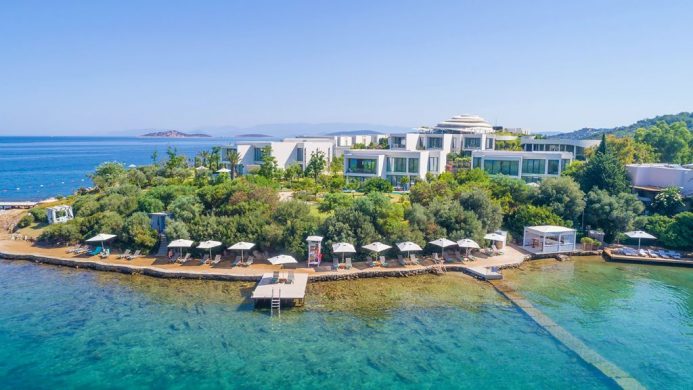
[
  {"x": 215, "y": 157},
  {"x": 204, "y": 157},
  {"x": 234, "y": 158}
]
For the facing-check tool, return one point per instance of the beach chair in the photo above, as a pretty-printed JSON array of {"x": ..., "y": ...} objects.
[
  {"x": 348, "y": 263},
  {"x": 275, "y": 277},
  {"x": 401, "y": 260},
  {"x": 335, "y": 263},
  {"x": 105, "y": 253},
  {"x": 436, "y": 259},
  {"x": 675, "y": 255},
  {"x": 642, "y": 253},
  {"x": 183, "y": 260},
  {"x": 663, "y": 254},
  {"x": 95, "y": 251},
  {"x": 290, "y": 278},
  {"x": 217, "y": 260},
  {"x": 204, "y": 259},
  {"x": 383, "y": 261},
  {"x": 249, "y": 261},
  {"x": 652, "y": 253},
  {"x": 125, "y": 254},
  {"x": 414, "y": 259},
  {"x": 135, "y": 255},
  {"x": 238, "y": 261},
  {"x": 372, "y": 262}
]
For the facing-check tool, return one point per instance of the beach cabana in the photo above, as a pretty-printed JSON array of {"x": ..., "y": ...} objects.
[
  {"x": 468, "y": 244},
  {"x": 639, "y": 234},
  {"x": 442, "y": 243},
  {"x": 548, "y": 239},
  {"x": 282, "y": 259},
  {"x": 496, "y": 237},
  {"x": 101, "y": 238},
  {"x": 180, "y": 244},
  {"x": 343, "y": 247},
  {"x": 408, "y": 247},
  {"x": 209, "y": 245},
  {"x": 242, "y": 246}
]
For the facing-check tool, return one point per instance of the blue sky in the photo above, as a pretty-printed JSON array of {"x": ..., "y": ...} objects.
[{"x": 106, "y": 66}]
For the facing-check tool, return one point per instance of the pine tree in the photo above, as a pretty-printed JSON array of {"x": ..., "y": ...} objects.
[{"x": 604, "y": 171}]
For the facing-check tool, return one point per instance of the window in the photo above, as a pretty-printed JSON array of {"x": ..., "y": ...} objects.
[
  {"x": 504, "y": 167},
  {"x": 257, "y": 153},
  {"x": 397, "y": 164},
  {"x": 435, "y": 143},
  {"x": 360, "y": 165},
  {"x": 553, "y": 167},
  {"x": 299, "y": 154},
  {"x": 413, "y": 165},
  {"x": 489, "y": 143},
  {"x": 433, "y": 164},
  {"x": 398, "y": 142},
  {"x": 472, "y": 143},
  {"x": 564, "y": 163},
  {"x": 476, "y": 162},
  {"x": 532, "y": 166}
]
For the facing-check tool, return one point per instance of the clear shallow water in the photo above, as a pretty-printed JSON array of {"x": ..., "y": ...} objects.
[
  {"x": 639, "y": 317},
  {"x": 78, "y": 329},
  {"x": 35, "y": 168}
]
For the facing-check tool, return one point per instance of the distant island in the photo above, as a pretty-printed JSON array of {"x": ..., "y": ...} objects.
[
  {"x": 174, "y": 134},
  {"x": 252, "y": 136}
]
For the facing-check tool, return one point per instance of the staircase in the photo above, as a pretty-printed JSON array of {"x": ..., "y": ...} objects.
[
  {"x": 163, "y": 246},
  {"x": 276, "y": 303}
]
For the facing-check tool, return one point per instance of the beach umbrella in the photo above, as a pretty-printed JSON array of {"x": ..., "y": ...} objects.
[
  {"x": 180, "y": 244},
  {"x": 639, "y": 234},
  {"x": 224, "y": 170},
  {"x": 442, "y": 243},
  {"x": 494, "y": 237},
  {"x": 468, "y": 244},
  {"x": 201, "y": 168},
  {"x": 241, "y": 246},
  {"x": 102, "y": 238},
  {"x": 377, "y": 247},
  {"x": 408, "y": 247},
  {"x": 132, "y": 166},
  {"x": 282, "y": 259},
  {"x": 209, "y": 245},
  {"x": 343, "y": 247}
]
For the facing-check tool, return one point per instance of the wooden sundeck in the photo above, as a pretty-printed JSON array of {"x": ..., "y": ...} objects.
[
  {"x": 611, "y": 256},
  {"x": 484, "y": 273},
  {"x": 266, "y": 289}
]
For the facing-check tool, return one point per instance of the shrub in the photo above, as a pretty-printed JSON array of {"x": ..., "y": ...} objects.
[
  {"x": 376, "y": 184},
  {"x": 61, "y": 233},
  {"x": 39, "y": 214},
  {"x": 25, "y": 221}
]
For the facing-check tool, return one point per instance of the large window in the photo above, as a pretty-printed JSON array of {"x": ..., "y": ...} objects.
[
  {"x": 553, "y": 167},
  {"x": 414, "y": 165},
  {"x": 361, "y": 165},
  {"x": 398, "y": 142},
  {"x": 533, "y": 166},
  {"x": 472, "y": 143},
  {"x": 257, "y": 154},
  {"x": 433, "y": 164},
  {"x": 504, "y": 167},
  {"x": 476, "y": 162},
  {"x": 299, "y": 154},
  {"x": 489, "y": 143},
  {"x": 435, "y": 143},
  {"x": 397, "y": 164}
]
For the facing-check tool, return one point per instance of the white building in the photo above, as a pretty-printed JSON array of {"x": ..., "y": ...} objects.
[
  {"x": 529, "y": 166},
  {"x": 575, "y": 146},
  {"x": 650, "y": 179},
  {"x": 393, "y": 164},
  {"x": 287, "y": 152},
  {"x": 547, "y": 239}
]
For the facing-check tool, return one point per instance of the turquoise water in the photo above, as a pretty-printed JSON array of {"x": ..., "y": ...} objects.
[
  {"x": 35, "y": 168},
  {"x": 640, "y": 317},
  {"x": 65, "y": 328}
]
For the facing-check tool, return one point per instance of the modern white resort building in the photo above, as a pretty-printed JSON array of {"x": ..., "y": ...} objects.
[{"x": 425, "y": 151}]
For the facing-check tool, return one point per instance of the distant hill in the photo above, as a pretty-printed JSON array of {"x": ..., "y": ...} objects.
[
  {"x": 354, "y": 132},
  {"x": 592, "y": 133},
  {"x": 174, "y": 134},
  {"x": 252, "y": 136}
]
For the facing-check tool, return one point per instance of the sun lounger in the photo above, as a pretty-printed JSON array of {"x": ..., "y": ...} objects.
[
  {"x": 675, "y": 255},
  {"x": 135, "y": 255},
  {"x": 414, "y": 259},
  {"x": 238, "y": 261},
  {"x": 290, "y": 277},
  {"x": 383, "y": 262},
  {"x": 217, "y": 260},
  {"x": 125, "y": 254},
  {"x": 652, "y": 253},
  {"x": 642, "y": 253},
  {"x": 95, "y": 251},
  {"x": 348, "y": 263},
  {"x": 335, "y": 263},
  {"x": 663, "y": 254},
  {"x": 105, "y": 253},
  {"x": 372, "y": 262},
  {"x": 401, "y": 260},
  {"x": 204, "y": 259},
  {"x": 249, "y": 261},
  {"x": 436, "y": 259},
  {"x": 182, "y": 260},
  {"x": 275, "y": 277}
]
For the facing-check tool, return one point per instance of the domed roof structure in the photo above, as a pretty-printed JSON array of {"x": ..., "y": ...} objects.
[{"x": 467, "y": 124}]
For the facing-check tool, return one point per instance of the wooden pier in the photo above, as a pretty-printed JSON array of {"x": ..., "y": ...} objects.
[
  {"x": 483, "y": 273},
  {"x": 269, "y": 289},
  {"x": 682, "y": 262}
]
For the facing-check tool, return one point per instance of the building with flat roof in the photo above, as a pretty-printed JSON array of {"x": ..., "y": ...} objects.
[
  {"x": 287, "y": 152},
  {"x": 393, "y": 164},
  {"x": 529, "y": 166},
  {"x": 575, "y": 146},
  {"x": 547, "y": 239},
  {"x": 650, "y": 179}
]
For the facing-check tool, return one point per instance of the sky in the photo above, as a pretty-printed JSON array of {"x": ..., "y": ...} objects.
[{"x": 98, "y": 67}]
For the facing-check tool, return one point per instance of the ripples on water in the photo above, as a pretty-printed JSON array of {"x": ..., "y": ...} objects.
[{"x": 71, "y": 328}]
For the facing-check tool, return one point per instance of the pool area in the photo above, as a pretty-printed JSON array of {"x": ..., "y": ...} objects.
[{"x": 73, "y": 328}]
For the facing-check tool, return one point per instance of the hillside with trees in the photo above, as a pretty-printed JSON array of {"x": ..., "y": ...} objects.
[{"x": 621, "y": 131}]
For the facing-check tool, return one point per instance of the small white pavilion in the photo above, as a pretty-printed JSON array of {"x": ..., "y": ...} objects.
[{"x": 548, "y": 239}]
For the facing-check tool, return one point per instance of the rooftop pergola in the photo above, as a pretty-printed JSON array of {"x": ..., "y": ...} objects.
[{"x": 548, "y": 239}]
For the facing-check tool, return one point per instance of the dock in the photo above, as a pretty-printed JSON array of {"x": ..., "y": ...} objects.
[
  {"x": 682, "y": 262},
  {"x": 483, "y": 273},
  {"x": 268, "y": 289},
  {"x": 17, "y": 205}
]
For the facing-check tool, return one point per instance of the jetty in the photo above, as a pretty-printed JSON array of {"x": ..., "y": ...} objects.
[
  {"x": 17, "y": 205},
  {"x": 483, "y": 273},
  {"x": 681, "y": 262},
  {"x": 281, "y": 289}
]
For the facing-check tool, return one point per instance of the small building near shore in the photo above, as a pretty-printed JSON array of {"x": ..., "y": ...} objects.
[
  {"x": 59, "y": 214},
  {"x": 548, "y": 239}
]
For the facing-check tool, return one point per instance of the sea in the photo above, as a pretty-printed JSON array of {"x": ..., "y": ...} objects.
[
  {"x": 36, "y": 168},
  {"x": 70, "y": 328}
]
